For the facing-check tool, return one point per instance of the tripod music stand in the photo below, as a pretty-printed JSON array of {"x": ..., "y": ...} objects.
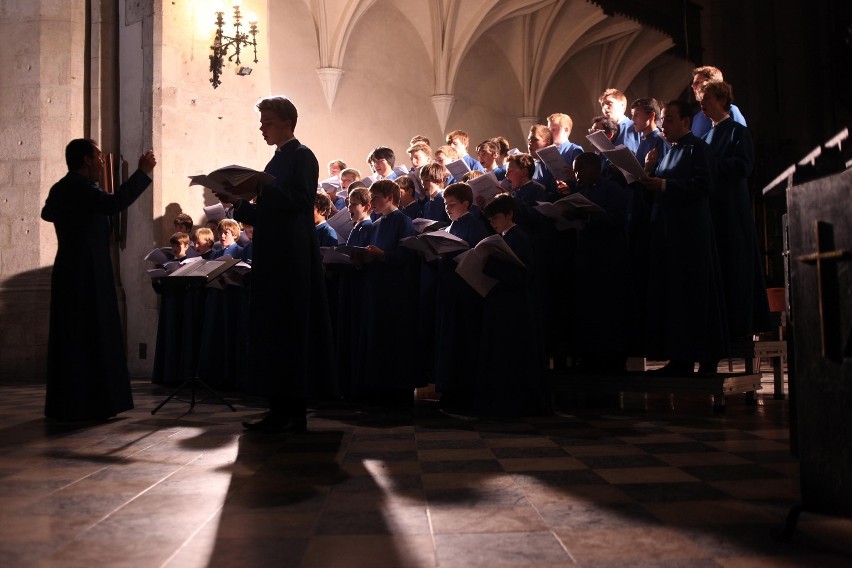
[{"x": 194, "y": 275}]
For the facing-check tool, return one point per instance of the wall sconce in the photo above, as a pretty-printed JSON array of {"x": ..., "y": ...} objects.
[{"x": 222, "y": 43}]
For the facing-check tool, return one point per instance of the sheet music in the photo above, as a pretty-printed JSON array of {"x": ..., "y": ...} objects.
[
  {"x": 600, "y": 141},
  {"x": 342, "y": 224},
  {"x": 458, "y": 169},
  {"x": 486, "y": 186},
  {"x": 551, "y": 158}
]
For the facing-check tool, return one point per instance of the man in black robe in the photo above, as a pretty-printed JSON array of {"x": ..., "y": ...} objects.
[
  {"x": 290, "y": 325},
  {"x": 87, "y": 377}
]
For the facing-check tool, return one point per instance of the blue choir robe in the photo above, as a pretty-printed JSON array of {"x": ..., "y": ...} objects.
[
  {"x": 569, "y": 151},
  {"x": 472, "y": 163},
  {"x": 654, "y": 140},
  {"x": 510, "y": 378},
  {"x": 340, "y": 203},
  {"x": 545, "y": 177},
  {"x": 627, "y": 134},
  {"x": 686, "y": 308},
  {"x": 326, "y": 236},
  {"x": 747, "y": 306},
  {"x": 526, "y": 197},
  {"x": 701, "y": 125},
  {"x": 388, "y": 302},
  {"x": 350, "y": 317},
  {"x": 413, "y": 210},
  {"x": 458, "y": 316},
  {"x": 499, "y": 172},
  {"x": 434, "y": 208},
  {"x": 234, "y": 251},
  {"x": 601, "y": 277}
]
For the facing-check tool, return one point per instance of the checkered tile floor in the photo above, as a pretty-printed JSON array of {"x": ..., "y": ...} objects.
[{"x": 655, "y": 481}]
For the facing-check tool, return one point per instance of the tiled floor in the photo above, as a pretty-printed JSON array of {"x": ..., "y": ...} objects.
[{"x": 660, "y": 482}]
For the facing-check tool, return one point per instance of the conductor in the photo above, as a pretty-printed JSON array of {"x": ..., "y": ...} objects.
[{"x": 87, "y": 377}]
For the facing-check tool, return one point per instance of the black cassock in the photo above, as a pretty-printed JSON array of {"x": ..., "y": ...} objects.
[
  {"x": 290, "y": 337},
  {"x": 87, "y": 375}
]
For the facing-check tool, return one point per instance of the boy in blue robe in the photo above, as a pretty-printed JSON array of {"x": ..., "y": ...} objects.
[
  {"x": 459, "y": 140},
  {"x": 326, "y": 236},
  {"x": 388, "y": 376},
  {"x": 408, "y": 202},
  {"x": 510, "y": 377},
  {"x": 229, "y": 232},
  {"x": 701, "y": 124},
  {"x": 488, "y": 153},
  {"x": 434, "y": 178},
  {"x": 350, "y": 315},
  {"x": 538, "y": 138},
  {"x": 730, "y": 205},
  {"x": 458, "y": 312},
  {"x": 613, "y": 105},
  {"x": 686, "y": 319},
  {"x": 382, "y": 160},
  {"x": 560, "y": 125}
]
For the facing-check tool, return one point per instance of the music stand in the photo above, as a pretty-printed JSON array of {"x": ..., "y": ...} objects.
[{"x": 196, "y": 274}]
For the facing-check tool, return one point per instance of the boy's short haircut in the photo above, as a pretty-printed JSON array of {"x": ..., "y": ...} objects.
[
  {"x": 322, "y": 204},
  {"x": 282, "y": 107},
  {"x": 722, "y": 91},
  {"x": 489, "y": 147},
  {"x": 460, "y": 191},
  {"x": 179, "y": 238},
  {"x": 502, "y": 144},
  {"x": 204, "y": 235},
  {"x": 184, "y": 220},
  {"x": 420, "y": 147},
  {"x": 382, "y": 153},
  {"x": 339, "y": 164},
  {"x": 542, "y": 132},
  {"x": 356, "y": 184},
  {"x": 614, "y": 93},
  {"x": 683, "y": 108},
  {"x": 418, "y": 139},
  {"x": 229, "y": 225},
  {"x": 359, "y": 196},
  {"x": 523, "y": 161},
  {"x": 350, "y": 172},
  {"x": 607, "y": 125},
  {"x": 472, "y": 174},
  {"x": 406, "y": 184},
  {"x": 386, "y": 188},
  {"x": 709, "y": 72},
  {"x": 460, "y": 135},
  {"x": 502, "y": 203},
  {"x": 449, "y": 151},
  {"x": 562, "y": 120},
  {"x": 434, "y": 172},
  {"x": 647, "y": 105}
]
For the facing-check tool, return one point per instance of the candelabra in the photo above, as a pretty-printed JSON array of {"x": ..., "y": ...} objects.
[{"x": 222, "y": 43}]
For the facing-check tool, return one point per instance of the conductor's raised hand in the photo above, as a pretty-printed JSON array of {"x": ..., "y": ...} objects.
[{"x": 147, "y": 161}]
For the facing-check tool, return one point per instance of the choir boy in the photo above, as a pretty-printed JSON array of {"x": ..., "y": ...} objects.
[
  {"x": 645, "y": 113},
  {"x": 560, "y": 126},
  {"x": 686, "y": 306},
  {"x": 229, "y": 232},
  {"x": 459, "y": 140},
  {"x": 510, "y": 372},
  {"x": 504, "y": 146},
  {"x": 326, "y": 236},
  {"x": 335, "y": 167},
  {"x": 488, "y": 153},
  {"x": 408, "y": 202},
  {"x": 613, "y": 106},
  {"x": 390, "y": 279},
  {"x": 458, "y": 311},
  {"x": 180, "y": 245},
  {"x": 204, "y": 240},
  {"x": 434, "y": 178},
  {"x": 538, "y": 138},
  {"x": 381, "y": 160},
  {"x": 420, "y": 154},
  {"x": 701, "y": 124}
]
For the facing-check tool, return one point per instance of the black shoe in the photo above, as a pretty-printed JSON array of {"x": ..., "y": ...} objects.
[{"x": 276, "y": 424}]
